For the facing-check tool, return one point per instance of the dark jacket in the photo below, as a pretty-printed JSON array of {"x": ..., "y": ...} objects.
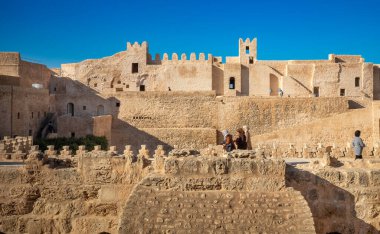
[{"x": 241, "y": 142}]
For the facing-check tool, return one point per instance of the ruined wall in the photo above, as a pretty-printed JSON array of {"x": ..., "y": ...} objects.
[
  {"x": 203, "y": 195},
  {"x": 22, "y": 110},
  {"x": 342, "y": 200},
  {"x": 99, "y": 191}
]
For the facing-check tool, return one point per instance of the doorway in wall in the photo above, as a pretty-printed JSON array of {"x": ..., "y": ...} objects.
[
  {"x": 100, "y": 110},
  {"x": 273, "y": 84}
]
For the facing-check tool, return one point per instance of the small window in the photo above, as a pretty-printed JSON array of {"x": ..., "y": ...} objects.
[
  {"x": 142, "y": 87},
  {"x": 30, "y": 132},
  {"x": 247, "y": 49},
  {"x": 119, "y": 89},
  {"x": 96, "y": 85},
  {"x": 72, "y": 134},
  {"x": 250, "y": 60},
  {"x": 18, "y": 115},
  {"x": 232, "y": 83},
  {"x": 357, "y": 81},
  {"x": 119, "y": 82},
  {"x": 32, "y": 115},
  {"x": 135, "y": 67},
  {"x": 316, "y": 91},
  {"x": 127, "y": 86},
  {"x": 111, "y": 86},
  {"x": 342, "y": 92},
  {"x": 55, "y": 89},
  {"x": 84, "y": 107},
  {"x": 117, "y": 104}
]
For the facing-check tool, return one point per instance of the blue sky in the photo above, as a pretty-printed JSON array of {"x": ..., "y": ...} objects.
[{"x": 55, "y": 32}]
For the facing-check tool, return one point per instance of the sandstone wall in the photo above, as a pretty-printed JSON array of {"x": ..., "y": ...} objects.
[
  {"x": 338, "y": 129},
  {"x": 9, "y": 63},
  {"x": 23, "y": 110},
  {"x": 267, "y": 115},
  {"x": 341, "y": 200}
]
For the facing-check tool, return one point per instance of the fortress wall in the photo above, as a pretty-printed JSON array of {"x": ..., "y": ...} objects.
[
  {"x": 5, "y": 108},
  {"x": 264, "y": 115},
  {"x": 299, "y": 80},
  {"x": 260, "y": 74},
  {"x": 34, "y": 73},
  {"x": 9, "y": 63},
  {"x": 376, "y": 82},
  {"x": 168, "y": 109},
  {"x": 338, "y": 129},
  {"x": 24, "y": 101},
  {"x": 197, "y": 138},
  {"x": 183, "y": 76},
  {"x": 326, "y": 77}
]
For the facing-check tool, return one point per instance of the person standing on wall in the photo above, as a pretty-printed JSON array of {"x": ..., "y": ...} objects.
[{"x": 358, "y": 145}]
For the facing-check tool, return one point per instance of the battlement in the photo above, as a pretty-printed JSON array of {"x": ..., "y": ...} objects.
[
  {"x": 184, "y": 58},
  {"x": 137, "y": 46}
]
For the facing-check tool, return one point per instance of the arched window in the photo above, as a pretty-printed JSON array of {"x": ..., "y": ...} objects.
[
  {"x": 100, "y": 110},
  {"x": 232, "y": 83},
  {"x": 70, "y": 109}
]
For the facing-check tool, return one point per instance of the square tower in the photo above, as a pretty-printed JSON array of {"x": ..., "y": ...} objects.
[{"x": 247, "y": 51}]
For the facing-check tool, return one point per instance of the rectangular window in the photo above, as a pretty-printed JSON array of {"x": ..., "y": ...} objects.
[
  {"x": 127, "y": 86},
  {"x": 357, "y": 81},
  {"x": 30, "y": 132},
  {"x": 247, "y": 49},
  {"x": 316, "y": 91},
  {"x": 342, "y": 92},
  {"x": 117, "y": 104},
  {"x": 84, "y": 107},
  {"x": 96, "y": 85},
  {"x": 72, "y": 134},
  {"x": 142, "y": 87},
  {"x": 32, "y": 115},
  {"x": 119, "y": 89},
  {"x": 250, "y": 60},
  {"x": 135, "y": 67},
  {"x": 18, "y": 115}
]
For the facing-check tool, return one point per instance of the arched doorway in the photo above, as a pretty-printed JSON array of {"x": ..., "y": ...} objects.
[
  {"x": 70, "y": 109},
  {"x": 100, "y": 110},
  {"x": 273, "y": 84}
]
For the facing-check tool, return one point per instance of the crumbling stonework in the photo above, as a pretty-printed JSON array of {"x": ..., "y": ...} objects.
[{"x": 189, "y": 191}]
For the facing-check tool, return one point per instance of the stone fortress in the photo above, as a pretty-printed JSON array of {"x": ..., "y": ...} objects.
[{"x": 179, "y": 181}]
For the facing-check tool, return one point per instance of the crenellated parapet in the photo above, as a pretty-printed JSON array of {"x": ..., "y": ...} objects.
[
  {"x": 15, "y": 148},
  {"x": 185, "y": 59},
  {"x": 137, "y": 46}
]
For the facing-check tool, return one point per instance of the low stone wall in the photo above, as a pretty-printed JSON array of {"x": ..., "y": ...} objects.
[{"x": 245, "y": 191}]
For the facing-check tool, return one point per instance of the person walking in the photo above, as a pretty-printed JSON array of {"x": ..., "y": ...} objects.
[{"x": 358, "y": 145}]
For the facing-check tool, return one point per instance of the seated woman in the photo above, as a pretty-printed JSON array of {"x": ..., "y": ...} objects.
[
  {"x": 241, "y": 139},
  {"x": 228, "y": 144}
]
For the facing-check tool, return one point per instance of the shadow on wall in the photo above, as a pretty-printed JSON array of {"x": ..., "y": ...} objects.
[
  {"x": 333, "y": 208},
  {"x": 87, "y": 103},
  {"x": 125, "y": 134},
  {"x": 354, "y": 105}
]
